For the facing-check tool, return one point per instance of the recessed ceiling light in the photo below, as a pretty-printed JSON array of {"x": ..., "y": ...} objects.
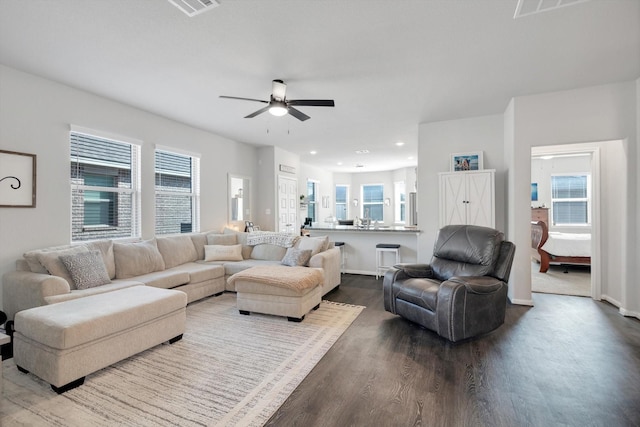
[
  {"x": 313, "y": 152},
  {"x": 399, "y": 143},
  {"x": 362, "y": 151},
  {"x": 410, "y": 158},
  {"x": 339, "y": 163},
  {"x": 359, "y": 165}
]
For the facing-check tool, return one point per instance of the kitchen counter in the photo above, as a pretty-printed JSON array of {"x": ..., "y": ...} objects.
[
  {"x": 396, "y": 229},
  {"x": 360, "y": 244}
]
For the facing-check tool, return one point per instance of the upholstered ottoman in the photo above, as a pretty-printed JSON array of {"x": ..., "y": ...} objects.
[
  {"x": 278, "y": 290},
  {"x": 62, "y": 343}
]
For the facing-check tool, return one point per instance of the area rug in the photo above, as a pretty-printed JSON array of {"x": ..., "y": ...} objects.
[
  {"x": 228, "y": 370},
  {"x": 576, "y": 282}
]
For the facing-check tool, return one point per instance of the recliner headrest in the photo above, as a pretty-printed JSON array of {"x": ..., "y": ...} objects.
[{"x": 470, "y": 244}]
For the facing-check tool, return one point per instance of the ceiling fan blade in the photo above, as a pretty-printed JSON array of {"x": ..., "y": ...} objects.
[
  {"x": 298, "y": 114},
  {"x": 313, "y": 102},
  {"x": 255, "y": 113},
  {"x": 244, "y": 99},
  {"x": 278, "y": 89}
]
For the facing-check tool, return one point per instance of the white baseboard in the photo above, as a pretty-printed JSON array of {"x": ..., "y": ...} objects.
[
  {"x": 610, "y": 300},
  {"x": 623, "y": 311},
  {"x": 629, "y": 313}
]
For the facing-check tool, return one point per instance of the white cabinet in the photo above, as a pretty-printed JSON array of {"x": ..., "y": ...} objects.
[{"x": 467, "y": 198}]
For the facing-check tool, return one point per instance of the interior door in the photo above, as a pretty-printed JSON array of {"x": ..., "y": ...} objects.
[
  {"x": 452, "y": 202},
  {"x": 480, "y": 199},
  {"x": 287, "y": 204}
]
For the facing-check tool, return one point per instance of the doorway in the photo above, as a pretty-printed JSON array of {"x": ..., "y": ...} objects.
[
  {"x": 565, "y": 196},
  {"x": 287, "y": 204}
]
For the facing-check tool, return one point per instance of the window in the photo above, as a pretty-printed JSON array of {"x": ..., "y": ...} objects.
[
  {"x": 570, "y": 196},
  {"x": 177, "y": 192},
  {"x": 400, "y": 202},
  {"x": 373, "y": 202},
  {"x": 105, "y": 186},
  {"x": 312, "y": 196},
  {"x": 342, "y": 195}
]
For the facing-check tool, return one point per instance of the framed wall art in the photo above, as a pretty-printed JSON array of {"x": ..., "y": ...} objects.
[
  {"x": 17, "y": 180},
  {"x": 466, "y": 161}
]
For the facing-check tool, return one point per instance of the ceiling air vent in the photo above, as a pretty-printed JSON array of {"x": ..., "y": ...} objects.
[
  {"x": 194, "y": 7},
  {"x": 530, "y": 7}
]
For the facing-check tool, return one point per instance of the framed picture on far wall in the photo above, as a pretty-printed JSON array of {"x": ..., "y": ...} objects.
[{"x": 466, "y": 161}]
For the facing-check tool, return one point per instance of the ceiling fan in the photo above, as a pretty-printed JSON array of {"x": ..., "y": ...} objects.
[{"x": 279, "y": 105}]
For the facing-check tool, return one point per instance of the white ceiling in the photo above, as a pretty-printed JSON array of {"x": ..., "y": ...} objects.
[{"x": 389, "y": 65}]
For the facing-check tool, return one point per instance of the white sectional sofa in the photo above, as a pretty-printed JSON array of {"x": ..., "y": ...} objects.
[{"x": 197, "y": 263}]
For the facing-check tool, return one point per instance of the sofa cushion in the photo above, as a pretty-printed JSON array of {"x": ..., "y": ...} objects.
[
  {"x": 268, "y": 252},
  {"x": 222, "y": 239},
  {"x": 199, "y": 240},
  {"x": 166, "y": 279},
  {"x": 87, "y": 269},
  {"x": 296, "y": 257},
  {"x": 135, "y": 259},
  {"x": 176, "y": 250},
  {"x": 316, "y": 245},
  {"x": 242, "y": 239},
  {"x": 32, "y": 258},
  {"x": 51, "y": 261},
  {"x": 223, "y": 253},
  {"x": 199, "y": 272},
  {"x": 106, "y": 249}
]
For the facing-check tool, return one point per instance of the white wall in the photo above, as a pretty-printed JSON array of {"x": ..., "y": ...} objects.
[
  {"x": 35, "y": 115},
  {"x": 541, "y": 171},
  {"x": 600, "y": 113},
  {"x": 436, "y": 142}
]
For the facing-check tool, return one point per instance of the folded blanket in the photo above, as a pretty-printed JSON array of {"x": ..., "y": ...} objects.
[
  {"x": 296, "y": 278},
  {"x": 286, "y": 240}
]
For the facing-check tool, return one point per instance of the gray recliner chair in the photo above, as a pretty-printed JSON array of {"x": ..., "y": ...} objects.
[{"x": 462, "y": 292}]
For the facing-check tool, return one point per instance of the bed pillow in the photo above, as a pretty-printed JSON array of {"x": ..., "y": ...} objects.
[
  {"x": 223, "y": 252},
  {"x": 296, "y": 257},
  {"x": 87, "y": 269}
]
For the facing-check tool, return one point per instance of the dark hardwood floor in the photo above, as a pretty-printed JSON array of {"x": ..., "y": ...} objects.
[{"x": 568, "y": 361}]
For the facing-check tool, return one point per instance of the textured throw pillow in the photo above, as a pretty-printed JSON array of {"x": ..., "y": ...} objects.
[
  {"x": 135, "y": 259},
  {"x": 223, "y": 253},
  {"x": 296, "y": 257},
  {"x": 87, "y": 269}
]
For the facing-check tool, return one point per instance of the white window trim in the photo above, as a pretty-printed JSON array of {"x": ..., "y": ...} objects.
[
  {"x": 587, "y": 199},
  {"x": 364, "y": 205},
  {"x": 346, "y": 202}
]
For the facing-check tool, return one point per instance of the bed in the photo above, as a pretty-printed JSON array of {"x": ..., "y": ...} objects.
[{"x": 558, "y": 248}]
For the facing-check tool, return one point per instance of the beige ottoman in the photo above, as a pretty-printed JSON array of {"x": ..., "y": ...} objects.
[
  {"x": 278, "y": 290},
  {"x": 62, "y": 343}
]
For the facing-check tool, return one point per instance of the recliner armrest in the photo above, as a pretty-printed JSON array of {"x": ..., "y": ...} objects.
[
  {"x": 478, "y": 284},
  {"x": 419, "y": 271}
]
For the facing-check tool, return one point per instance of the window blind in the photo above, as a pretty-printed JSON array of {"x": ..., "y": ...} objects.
[
  {"x": 104, "y": 181},
  {"x": 177, "y": 193}
]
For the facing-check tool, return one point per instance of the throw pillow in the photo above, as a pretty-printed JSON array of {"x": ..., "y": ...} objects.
[
  {"x": 315, "y": 245},
  {"x": 136, "y": 259},
  {"x": 87, "y": 269},
  {"x": 176, "y": 250},
  {"x": 223, "y": 252},
  {"x": 51, "y": 261},
  {"x": 296, "y": 257}
]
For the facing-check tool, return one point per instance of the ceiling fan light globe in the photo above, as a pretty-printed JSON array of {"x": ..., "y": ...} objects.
[{"x": 278, "y": 110}]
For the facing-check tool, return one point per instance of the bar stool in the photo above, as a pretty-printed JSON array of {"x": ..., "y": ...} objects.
[
  {"x": 342, "y": 248},
  {"x": 381, "y": 248}
]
